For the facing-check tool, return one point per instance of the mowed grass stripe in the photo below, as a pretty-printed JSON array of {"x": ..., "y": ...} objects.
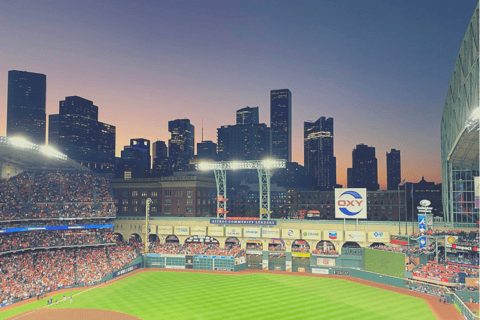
[{"x": 170, "y": 295}]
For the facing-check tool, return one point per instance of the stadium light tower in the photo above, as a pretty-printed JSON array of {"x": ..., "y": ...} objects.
[
  {"x": 147, "y": 223},
  {"x": 264, "y": 169}
]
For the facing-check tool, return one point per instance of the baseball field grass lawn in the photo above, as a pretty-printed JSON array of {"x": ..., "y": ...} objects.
[{"x": 172, "y": 295}]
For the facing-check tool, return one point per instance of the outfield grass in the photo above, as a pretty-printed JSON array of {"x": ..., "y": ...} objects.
[{"x": 171, "y": 295}]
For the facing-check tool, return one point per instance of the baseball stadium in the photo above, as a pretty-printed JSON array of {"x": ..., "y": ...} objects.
[{"x": 73, "y": 246}]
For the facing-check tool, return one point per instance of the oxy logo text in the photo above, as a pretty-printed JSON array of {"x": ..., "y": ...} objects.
[{"x": 344, "y": 203}]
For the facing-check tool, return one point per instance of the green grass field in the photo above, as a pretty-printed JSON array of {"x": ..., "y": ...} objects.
[{"x": 171, "y": 295}]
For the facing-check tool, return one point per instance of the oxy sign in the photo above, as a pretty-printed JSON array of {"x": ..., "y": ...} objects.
[{"x": 351, "y": 203}]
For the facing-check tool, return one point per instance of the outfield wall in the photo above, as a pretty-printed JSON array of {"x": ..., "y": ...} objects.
[{"x": 196, "y": 262}]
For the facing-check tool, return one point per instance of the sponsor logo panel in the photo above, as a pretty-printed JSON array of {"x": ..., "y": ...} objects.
[
  {"x": 325, "y": 262},
  {"x": 379, "y": 236},
  {"x": 182, "y": 231},
  {"x": 311, "y": 234},
  {"x": 251, "y": 232},
  {"x": 351, "y": 203},
  {"x": 320, "y": 271},
  {"x": 291, "y": 233},
  {"x": 165, "y": 230},
  {"x": 199, "y": 231},
  {"x": 270, "y": 233},
  {"x": 341, "y": 272},
  {"x": 357, "y": 236},
  {"x": 215, "y": 231},
  {"x": 233, "y": 231},
  {"x": 332, "y": 235}
]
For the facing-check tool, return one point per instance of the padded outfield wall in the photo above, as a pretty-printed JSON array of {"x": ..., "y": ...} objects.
[{"x": 385, "y": 262}]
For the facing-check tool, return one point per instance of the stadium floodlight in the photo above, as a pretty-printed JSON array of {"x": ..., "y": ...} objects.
[
  {"x": 22, "y": 143},
  {"x": 235, "y": 165},
  {"x": 52, "y": 153}
]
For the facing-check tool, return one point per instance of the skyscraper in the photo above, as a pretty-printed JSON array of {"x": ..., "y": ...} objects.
[
  {"x": 247, "y": 115},
  {"x": 394, "y": 171},
  {"x": 160, "y": 149},
  {"x": 26, "y": 105},
  {"x": 207, "y": 150},
  {"x": 135, "y": 160},
  {"x": 319, "y": 159},
  {"x": 181, "y": 146},
  {"x": 53, "y": 130},
  {"x": 281, "y": 123},
  {"x": 82, "y": 137},
  {"x": 364, "y": 171},
  {"x": 244, "y": 142},
  {"x": 162, "y": 166}
]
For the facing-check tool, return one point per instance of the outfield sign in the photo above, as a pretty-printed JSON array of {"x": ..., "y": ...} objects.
[
  {"x": 450, "y": 241},
  {"x": 127, "y": 270},
  {"x": 291, "y": 233},
  {"x": 320, "y": 271},
  {"x": 215, "y": 231},
  {"x": 271, "y": 233},
  {"x": 182, "y": 231},
  {"x": 311, "y": 235},
  {"x": 199, "y": 231},
  {"x": 251, "y": 232},
  {"x": 251, "y": 222},
  {"x": 351, "y": 203},
  {"x": 233, "y": 231},
  {"x": 377, "y": 236},
  {"x": 167, "y": 230},
  {"x": 332, "y": 235},
  {"x": 325, "y": 262},
  {"x": 301, "y": 254},
  {"x": 341, "y": 272},
  {"x": 357, "y": 236}
]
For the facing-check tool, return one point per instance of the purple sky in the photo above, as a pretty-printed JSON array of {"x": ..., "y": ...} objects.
[{"x": 380, "y": 68}]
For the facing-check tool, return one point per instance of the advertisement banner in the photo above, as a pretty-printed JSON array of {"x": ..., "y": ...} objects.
[
  {"x": 270, "y": 233},
  {"x": 127, "y": 270},
  {"x": 301, "y": 254},
  {"x": 464, "y": 248},
  {"x": 320, "y": 271},
  {"x": 351, "y": 203},
  {"x": 165, "y": 230},
  {"x": 250, "y": 222},
  {"x": 311, "y": 234},
  {"x": 357, "y": 236},
  {"x": 341, "y": 272},
  {"x": 233, "y": 231},
  {"x": 198, "y": 231},
  {"x": 215, "y": 231},
  {"x": 265, "y": 264},
  {"x": 253, "y": 232},
  {"x": 181, "y": 231},
  {"x": 174, "y": 267},
  {"x": 288, "y": 266},
  {"x": 291, "y": 233},
  {"x": 325, "y": 262},
  {"x": 399, "y": 239},
  {"x": 377, "y": 236},
  {"x": 332, "y": 235},
  {"x": 94, "y": 226},
  {"x": 422, "y": 242},
  {"x": 422, "y": 225},
  {"x": 450, "y": 241}
]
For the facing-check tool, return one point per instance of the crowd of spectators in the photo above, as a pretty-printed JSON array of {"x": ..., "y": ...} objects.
[
  {"x": 409, "y": 250},
  {"x": 300, "y": 248},
  {"x": 435, "y": 269},
  {"x": 52, "y": 194},
  {"x": 424, "y": 287},
  {"x": 327, "y": 251},
  {"x": 276, "y": 247},
  {"x": 254, "y": 246},
  {"x": 54, "y": 238},
  {"x": 28, "y": 274},
  {"x": 197, "y": 248}
]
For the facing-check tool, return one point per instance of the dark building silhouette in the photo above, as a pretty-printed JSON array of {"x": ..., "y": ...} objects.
[
  {"x": 394, "y": 171},
  {"x": 364, "y": 173},
  {"x": 244, "y": 142},
  {"x": 281, "y": 123},
  {"x": 135, "y": 160},
  {"x": 26, "y": 105},
  {"x": 319, "y": 160},
  {"x": 247, "y": 116},
  {"x": 53, "y": 130},
  {"x": 82, "y": 137},
  {"x": 160, "y": 149},
  {"x": 207, "y": 150},
  {"x": 181, "y": 146},
  {"x": 162, "y": 166}
]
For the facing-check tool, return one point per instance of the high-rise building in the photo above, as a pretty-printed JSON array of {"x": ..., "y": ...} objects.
[
  {"x": 82, "y": 137},
  {"x": 26, "y": 105},
  {"x": 160, "y": 149},
  {"x": 319, "y": 159},
  {"x": 364, "y": 173},
  {"x": 135, "y": 160},
  {"x": 247, "y": 116},
  {"x": 244, "y": 142},
  {"x": 53, "y": 130},
  {"x": 394, "y": 171},
  {"x": 181, "y": 146},
  {"x": 207, "y": 150},
  {"x": 281, "y": 123}
]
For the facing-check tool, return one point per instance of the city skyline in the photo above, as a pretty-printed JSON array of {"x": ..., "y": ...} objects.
[{"x": 384, "y": 84}]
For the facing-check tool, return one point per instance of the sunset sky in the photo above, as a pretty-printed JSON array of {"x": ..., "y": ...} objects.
[{"x": 380, "y": 68}]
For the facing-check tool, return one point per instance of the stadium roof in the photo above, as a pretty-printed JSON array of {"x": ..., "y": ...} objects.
[{"x": 33, "y": 157}]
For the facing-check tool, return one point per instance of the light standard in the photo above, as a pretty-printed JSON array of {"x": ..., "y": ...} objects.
[{"x": 399, "y": 204}]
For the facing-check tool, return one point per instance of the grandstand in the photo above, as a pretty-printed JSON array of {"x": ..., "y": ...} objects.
[{"x": 56, "y": 223}]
